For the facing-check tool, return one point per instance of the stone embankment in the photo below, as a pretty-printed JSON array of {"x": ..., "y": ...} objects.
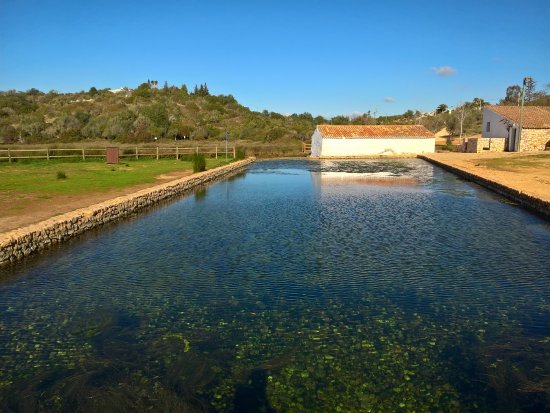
[
  {"x": 22, "y": 242},
  {"x": 529, "y": 201}
]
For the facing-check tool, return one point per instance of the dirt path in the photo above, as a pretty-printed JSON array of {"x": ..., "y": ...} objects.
[
  {"x": 40, "y": 207},
  {"x": 528, "y": 173}
]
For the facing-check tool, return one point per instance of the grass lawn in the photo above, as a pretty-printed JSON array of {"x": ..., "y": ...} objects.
[
  {"x": 41, "y": 177},
  {"x": 516, "y": 163}
]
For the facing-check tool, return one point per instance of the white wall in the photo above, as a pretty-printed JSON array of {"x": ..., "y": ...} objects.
[
  {"x": 316, "y": 143},
  {"x": 376, "y": 146},
  {"x": 498, "y": 128}
]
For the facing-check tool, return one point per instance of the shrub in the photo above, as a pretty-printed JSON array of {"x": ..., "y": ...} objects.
[
  {"x": 61, "y": 175},
  {"x": 199, "y": 162},
  {"x": 240, "y": 153}
]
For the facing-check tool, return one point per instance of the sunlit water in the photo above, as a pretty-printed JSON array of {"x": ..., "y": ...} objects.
[{"x": 380, "y": 286}]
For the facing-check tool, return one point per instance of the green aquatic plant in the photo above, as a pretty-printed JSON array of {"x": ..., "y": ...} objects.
[{"x": 180, "y": 337}]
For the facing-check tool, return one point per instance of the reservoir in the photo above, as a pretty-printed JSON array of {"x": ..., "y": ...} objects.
[{"x": 298, "y": 285}]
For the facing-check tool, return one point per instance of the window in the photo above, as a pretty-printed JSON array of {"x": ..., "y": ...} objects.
[{"x": 488, "y": 128}]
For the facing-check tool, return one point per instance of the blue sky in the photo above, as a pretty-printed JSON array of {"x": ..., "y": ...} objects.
[{"x": 322, "y": 57}]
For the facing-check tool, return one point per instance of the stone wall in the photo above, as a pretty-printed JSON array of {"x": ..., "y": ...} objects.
[
  {"x": 534, "y": 139},
  {"x": 22, "y": 242},
  {"x": 478, "y": 145}
]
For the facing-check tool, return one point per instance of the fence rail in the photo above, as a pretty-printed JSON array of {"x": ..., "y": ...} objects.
[{"x": 133, "y": 152}]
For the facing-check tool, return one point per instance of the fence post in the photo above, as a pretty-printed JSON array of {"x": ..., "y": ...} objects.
[
  {"x": 9, "y": 156},
  {"x": 177, "y": 153},
  {"x": 137, "y": 156},
  {"x": 216, "y": 151},
  {"x": 157, "y": 153},
  {"x": 48, "y": 154},
  {"x": 83, "y": 155},
  {"x": 197, "y": 149},
  {"x": 234, "y": 153}
]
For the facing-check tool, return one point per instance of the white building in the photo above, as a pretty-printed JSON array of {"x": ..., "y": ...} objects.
[
  {"x": 371, "y": 140},
  {"x": 501, "y": 129}
]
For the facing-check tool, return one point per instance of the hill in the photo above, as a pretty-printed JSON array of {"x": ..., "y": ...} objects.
[{"x": 140, "y": 115}]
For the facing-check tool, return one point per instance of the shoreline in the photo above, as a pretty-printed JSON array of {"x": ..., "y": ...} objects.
[
  {"x": 28, "y": 240},
  {"x": 528, "y": 201}
]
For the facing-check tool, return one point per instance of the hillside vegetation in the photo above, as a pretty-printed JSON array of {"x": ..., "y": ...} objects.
[
  {"x": 140, "y": 116},
  {"x": 170, "y": 112}
]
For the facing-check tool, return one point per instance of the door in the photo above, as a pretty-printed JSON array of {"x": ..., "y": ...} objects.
[{"x": 512, "y": 140}]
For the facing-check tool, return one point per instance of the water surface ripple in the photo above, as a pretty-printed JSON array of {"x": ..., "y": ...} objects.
[{"x": 314, "y": 286}]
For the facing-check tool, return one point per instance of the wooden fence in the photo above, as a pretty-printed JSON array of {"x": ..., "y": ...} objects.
[
  {"x": 306, "y": 147},
  {"x": 131, "y": 152}
]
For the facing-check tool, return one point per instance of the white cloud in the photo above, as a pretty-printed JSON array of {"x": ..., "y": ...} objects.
[
  {"x": 389, "y": 99},
  {"x": 444, "y": 70}
]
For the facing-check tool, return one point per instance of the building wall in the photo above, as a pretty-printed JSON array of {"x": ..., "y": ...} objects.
[
  {"x": 498, "y": 127},
  {"x": 376, "y": 146},
  {"x": 478, "y": 145},
  {"x": 316, "y": 143},
  {"x": 534, "y": 139}
]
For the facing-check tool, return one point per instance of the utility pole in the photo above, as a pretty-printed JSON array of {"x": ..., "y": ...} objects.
[{"x": 525, "y": 80}]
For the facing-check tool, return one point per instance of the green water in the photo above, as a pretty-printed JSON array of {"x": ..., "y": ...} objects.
[{"x": 355, "y": 286}]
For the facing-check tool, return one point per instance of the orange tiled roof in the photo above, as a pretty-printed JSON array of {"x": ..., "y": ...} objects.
[
  {"x": 534, "y": 117},
  {"x": 374, "y": 131}
]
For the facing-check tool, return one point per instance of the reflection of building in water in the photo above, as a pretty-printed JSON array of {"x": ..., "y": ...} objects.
[
  {"x": 371, "y": 140},
  {"x": 369, "y": 176},
  {"x": 347, "y": 178}
]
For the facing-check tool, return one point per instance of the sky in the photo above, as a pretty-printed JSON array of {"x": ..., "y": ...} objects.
[{"x": 322, "y": 57}]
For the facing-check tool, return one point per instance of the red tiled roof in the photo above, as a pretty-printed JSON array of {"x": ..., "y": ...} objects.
[
  {"x": 534, "y": 117},
  {"x": 374, "y": 131}
]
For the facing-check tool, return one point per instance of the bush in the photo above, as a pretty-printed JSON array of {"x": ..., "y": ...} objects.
[
  {"x": 240, "y": 153},
  {"x": 199, "y": 162},
  {"x": 61, "y": 175}
]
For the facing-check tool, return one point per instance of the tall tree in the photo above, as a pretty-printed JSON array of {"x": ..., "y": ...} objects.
[
  {"x": 530, "y": 93},
  {"x": 442, "y": 108},
  {"x": 513, "y": 95}
]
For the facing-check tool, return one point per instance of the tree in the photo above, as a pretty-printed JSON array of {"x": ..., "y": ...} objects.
[
  {"x": 34, "y": 91},
  {"x": 143, "y": 90},
  {"x": 184, "y": 90},
  {"x": 340, "y": 120},
  {"x": 158, "y": 116},
  {"x": 442, "y": 108},
  {"x": 530, "y": 93},
  {"x": 513, "y": 95},
  {"x": 93, "y": 91},
  {"x": 478, "y": 103},
  {"x": 165, "y": 87}
]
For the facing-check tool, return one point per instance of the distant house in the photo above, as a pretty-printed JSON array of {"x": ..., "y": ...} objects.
[
  {"x": 370, "y": 140},
  {"x": 124, "y": 90},
  {"x": 501, "y": 130}
]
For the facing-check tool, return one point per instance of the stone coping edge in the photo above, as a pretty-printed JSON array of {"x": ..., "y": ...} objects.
[
  {"x": 393, "y": 156},
  {"x": 533, "y": 204},
  {"x": 33, "y": 238}
]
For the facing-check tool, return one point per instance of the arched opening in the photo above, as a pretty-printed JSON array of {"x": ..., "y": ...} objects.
[{"x": 547, "y": 146}]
